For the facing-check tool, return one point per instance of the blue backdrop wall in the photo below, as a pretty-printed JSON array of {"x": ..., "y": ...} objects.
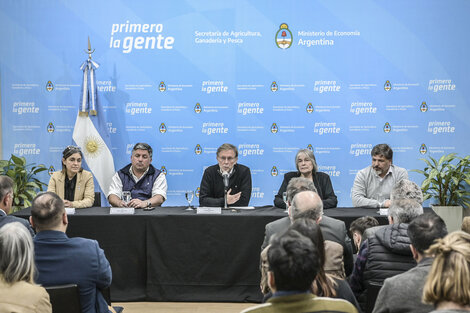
[{"x": 270, "y": 77}]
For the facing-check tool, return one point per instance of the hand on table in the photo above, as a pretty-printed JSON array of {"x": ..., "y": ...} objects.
[{"x": 137, "y": 204}]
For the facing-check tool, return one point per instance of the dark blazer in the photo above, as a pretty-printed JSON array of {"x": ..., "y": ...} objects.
[
  {"x": 61, "y": 260},
  {"x": 332, "y": 229},
  {"x": 5, "y": 219},
  {"x": 322, "y": 183},
  {"x": 212, "y": 186}
]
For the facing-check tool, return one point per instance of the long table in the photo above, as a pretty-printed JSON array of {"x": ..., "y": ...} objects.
[{"x": 170, "y": 254}]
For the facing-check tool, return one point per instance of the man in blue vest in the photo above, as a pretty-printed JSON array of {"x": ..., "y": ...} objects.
[{"x": 146, "y": 184}]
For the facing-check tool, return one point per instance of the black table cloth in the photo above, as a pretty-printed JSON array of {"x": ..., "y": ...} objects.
[{"x": 170, "y": 254}]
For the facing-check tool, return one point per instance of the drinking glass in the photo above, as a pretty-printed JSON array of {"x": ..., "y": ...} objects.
[
  {"x": 189, "y": 197},
  {"x": 126, "y": 197},
  {"x": 381, "y": 201},
  {"x": 284, "y": 198}
]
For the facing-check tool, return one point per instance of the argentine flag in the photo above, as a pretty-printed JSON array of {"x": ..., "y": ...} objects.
[{"x": 90, "y": 132}]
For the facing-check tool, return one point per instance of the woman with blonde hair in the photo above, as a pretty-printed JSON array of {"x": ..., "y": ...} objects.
[
  {"x": 18, "y": 293},
  {"x": 73, "y": 184},
  {"x": 448, "y": 283}
]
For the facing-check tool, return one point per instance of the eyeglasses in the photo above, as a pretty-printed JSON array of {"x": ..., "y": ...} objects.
[{"x": 230, "y": 159}]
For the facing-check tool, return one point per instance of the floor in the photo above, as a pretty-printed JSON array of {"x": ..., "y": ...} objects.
[{"x": 182, "y": 307}]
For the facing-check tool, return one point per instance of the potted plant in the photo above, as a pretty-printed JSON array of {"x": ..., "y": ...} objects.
[
  {"x": 26, "y": 184},
  {"x": 446, "y": 181}
]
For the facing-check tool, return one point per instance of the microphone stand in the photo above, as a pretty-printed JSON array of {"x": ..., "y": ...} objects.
[{"x": 225, "y": 177}]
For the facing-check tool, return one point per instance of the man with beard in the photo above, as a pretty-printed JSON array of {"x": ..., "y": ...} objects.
[{"x": 374, "y": 183}]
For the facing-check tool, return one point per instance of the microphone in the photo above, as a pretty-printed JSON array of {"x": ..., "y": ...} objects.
[{"x": 226, "y": 177}]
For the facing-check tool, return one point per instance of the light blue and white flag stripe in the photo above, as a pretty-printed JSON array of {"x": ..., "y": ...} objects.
[{"x": 90, "y": 131}]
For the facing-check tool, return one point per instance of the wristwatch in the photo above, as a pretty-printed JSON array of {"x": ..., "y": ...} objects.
[{"x": 149, "y": 204}]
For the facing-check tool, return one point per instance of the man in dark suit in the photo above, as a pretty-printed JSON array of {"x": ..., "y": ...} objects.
[
  {"x": 332, "y": 229},
  {"x": 6, "y": 201},
  {"x": 61, "y": 260}
]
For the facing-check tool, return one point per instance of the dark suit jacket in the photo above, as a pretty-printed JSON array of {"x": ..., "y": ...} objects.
[
  {"x": 5, "y": 219},
  {"x": 332, "y": 229},
  {"x": 321, "y": 181},
  {"x": 61, "y": 260}
]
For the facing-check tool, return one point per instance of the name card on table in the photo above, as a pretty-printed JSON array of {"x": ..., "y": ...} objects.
[
  {"x": 70, "y": 211},
  {"x": 209, "y": 210},
  {"x": 383, "y": 211},
  {"x": 122, "y": 211},
  {"x": 242, "y": 207}
]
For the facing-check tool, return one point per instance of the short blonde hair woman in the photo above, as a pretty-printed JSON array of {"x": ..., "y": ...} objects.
[
  {"x": 307, "y": 167},
  {"x": 448, "y": 283},
  {"x": 18, "y": 293}
]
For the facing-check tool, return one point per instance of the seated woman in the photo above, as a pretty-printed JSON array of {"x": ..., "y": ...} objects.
[
  {"x": 307, "y": 168},
  {"x": 73, "y": 184},
  {"x": 448, "y": 283},
  {"x": 18, "y": 293}
]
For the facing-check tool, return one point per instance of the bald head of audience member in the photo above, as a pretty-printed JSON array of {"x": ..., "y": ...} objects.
[
  {"x": 307, "y": 204},
  {"x": 48, "y": 213},
  {"x": 406, "y": 189}
]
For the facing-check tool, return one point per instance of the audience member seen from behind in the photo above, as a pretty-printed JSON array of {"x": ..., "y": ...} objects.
[
  {"x": 325, "y": 284},
  {"x": 358, "y": 226},
  {"x": 448, "y": 284},
  {"x": 338, "y": 249},
  {"x": 306, "y": 203},
  {"x": 307, "y": 167},
  {"x": 373, "y": 184},
  {"x": 293, "y": 265},
  {"x": 402, "y": 293},
  {"x": 6, "y": 202},
  {"x": 404, "y": 190},
  {"x": 18, "y": 293},
  {"x": 310, "y": 204},
  {"x": 328, "y": 282},
  {"x": 386, "y": 252},
  {"x": 73, "y": 184},
  {"x": 62, "y": 260}
]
